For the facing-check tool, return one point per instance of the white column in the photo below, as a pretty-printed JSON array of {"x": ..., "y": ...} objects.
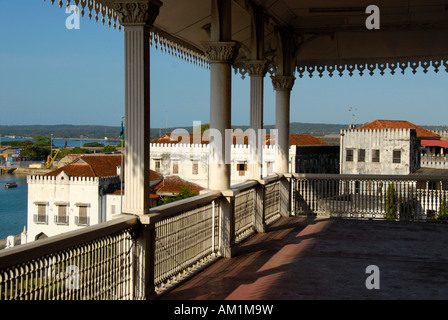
[
  {"x": 221, "y": 56},
  {"x": 137, "y": 18},
  {"x": 136, "y": 166},
  {"x": 257, "y": 71},
  {"x": 282, "y": 86}
]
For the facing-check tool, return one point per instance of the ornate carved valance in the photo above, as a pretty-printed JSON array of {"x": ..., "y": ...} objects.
[{"x": 372, "y": 66}]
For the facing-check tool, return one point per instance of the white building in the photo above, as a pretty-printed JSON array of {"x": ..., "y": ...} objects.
[
  {"x": 73, "y": 196},
  {"x": 382, "y": 147},
  {"x": 191, "y": 161}
]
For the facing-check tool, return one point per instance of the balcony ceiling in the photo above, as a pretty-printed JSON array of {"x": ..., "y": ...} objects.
[{"x": 326, "y": 32}]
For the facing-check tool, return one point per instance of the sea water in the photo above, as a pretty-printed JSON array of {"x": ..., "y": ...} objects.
[{"x": 13, "y": 205}]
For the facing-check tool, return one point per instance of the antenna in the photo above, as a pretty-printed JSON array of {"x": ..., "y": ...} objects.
[{"x": 352, "y": 111}]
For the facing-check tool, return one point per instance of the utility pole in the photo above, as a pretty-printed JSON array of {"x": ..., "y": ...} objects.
[{"x": 352, "y": 124}]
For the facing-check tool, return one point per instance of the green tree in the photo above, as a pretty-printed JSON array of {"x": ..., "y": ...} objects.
[
  {"x": 34, "y": 153},
  {"x": 42, "y": 141},
  {"x": 76, "y": 150},
  {"x": 443, "y": 210},
  {"x": 391, "y": 202},
  {"x": 185, "y": 192},
  {"x": 202, "y": 128},
  {"x": 93, "y": 144},
  {"x": 110, "y": 148}
]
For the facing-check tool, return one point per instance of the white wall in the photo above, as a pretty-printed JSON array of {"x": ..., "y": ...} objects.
[
  {"x": 63, "y": 189},
  {"x": 186, "y": 154},
  {"x": 385, "y": 140}
]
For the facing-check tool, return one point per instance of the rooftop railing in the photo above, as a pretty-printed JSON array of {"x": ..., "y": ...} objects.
[{"x": 395, "y": 197}]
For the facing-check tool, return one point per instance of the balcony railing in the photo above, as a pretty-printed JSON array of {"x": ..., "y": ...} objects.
[
  {"x": 405, "y": 198},
  {"x": 82, "y": 221},
  {"x": 94, "y": 263},
  {"x": 40, "y": 218},
  {"x": 138, "y": 257},
  {"x": 61, "y": 220}
]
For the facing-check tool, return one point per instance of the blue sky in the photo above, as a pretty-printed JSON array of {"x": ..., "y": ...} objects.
[{"x": 52, "y": 75}]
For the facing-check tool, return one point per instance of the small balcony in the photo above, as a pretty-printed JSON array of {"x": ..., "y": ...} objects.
[
  {"x": 82, "y": 221},
  {"x": 61, "y": 220},
  {"x": 292, "y": 236},
  {"x": 40, "y": 219}
]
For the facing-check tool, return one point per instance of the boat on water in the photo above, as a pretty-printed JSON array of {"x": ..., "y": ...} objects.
[{"x": 10, "y": 185}]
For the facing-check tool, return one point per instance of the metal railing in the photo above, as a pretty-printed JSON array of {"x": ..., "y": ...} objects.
[
  {"x": 405, "y": 198},
  {"x": 138, "y": 257},
  {"x": 244, "y": 210},
  {"x": 186, "y": 236}
]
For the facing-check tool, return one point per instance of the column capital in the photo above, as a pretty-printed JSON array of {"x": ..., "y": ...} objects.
[
  {"x": 283, "y": 83},
  {"x": 256, "y": 67},
  {"x": 222, "y": 51},
  {"x": 137, "y": 12}
]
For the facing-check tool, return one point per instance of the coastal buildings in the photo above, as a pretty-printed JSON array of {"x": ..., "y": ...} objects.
[{"x": 85, "y": 192}]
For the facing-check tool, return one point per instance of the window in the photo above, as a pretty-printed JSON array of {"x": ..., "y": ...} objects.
[
  {"x": 375, "y": 155},
  {"x": 62, "y": 217},
  {"x": 41, "y": 216},
  {"x": 195, "y": 167},
  {"x": 242, "y": 168},
  {"x": 349, "y": 155},
  {"x": 361, "y": 155},
  {"x": 269, "y": 167},
  {"x": 157, "y": 165},
  {"x": 175, "y": 167},
  {"x": 83, "y": 219},
  {"x": 396, "y": 156}
]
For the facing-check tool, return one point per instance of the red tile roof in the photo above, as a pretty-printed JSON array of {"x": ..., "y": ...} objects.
[
  {"x": 305, "y": 140},
  {"x": 91, "y": 166},
  {"x": 153, "y": 175},
  {"x": 174, "y": 184},
  {"x": 399, "y": 124},
  {"x": 435, "y": 143}
]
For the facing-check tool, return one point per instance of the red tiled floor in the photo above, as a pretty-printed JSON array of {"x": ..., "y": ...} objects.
[{"x": 326, "y": 259}]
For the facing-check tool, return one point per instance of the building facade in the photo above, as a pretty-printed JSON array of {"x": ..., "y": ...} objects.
[
  {"x": 379, "y": 151},
  {"x": 73, "y": 196}
]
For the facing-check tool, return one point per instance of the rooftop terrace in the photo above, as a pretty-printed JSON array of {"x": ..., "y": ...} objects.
[{"x": 326, "y": 258}]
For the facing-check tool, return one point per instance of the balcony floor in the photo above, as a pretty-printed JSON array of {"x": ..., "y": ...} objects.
[{"x": 300, "y": 258}]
